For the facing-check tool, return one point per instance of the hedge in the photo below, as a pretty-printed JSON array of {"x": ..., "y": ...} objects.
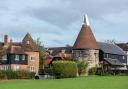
[
  {"x": 64, "y": 69},
  {"x": 20, "y": 74},
  {"x": 92, "y": 71}
]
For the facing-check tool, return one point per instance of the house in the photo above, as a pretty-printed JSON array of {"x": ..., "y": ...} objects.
[
  {"x": 20, "y": 55},
  {"x": 124, "y": 46},
  {"x": 58, "y": 53},
  {"x": 97, "y": 54},
  {"x": 111, "y": 56}
]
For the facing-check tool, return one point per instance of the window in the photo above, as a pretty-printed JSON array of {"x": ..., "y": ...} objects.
[
  {"x": 28, "y": 42},
  {"x": 77, "y": 54},
  {"x": 4, "y": 67},
  {"x": 32, "y": 69},
  {"x": 16, "y": 67},
  {"x": 23, "y": 57},
  {"x": 96, "y": 55},
  {"x": 62, "y": 51},
  {"x": 33, "y": 58},
  {"x": 123, "y": 57},
  {"x": 17, "y": 57},
  {"x": 106, "y": 55},
  {"x": 4, "y": 57}
]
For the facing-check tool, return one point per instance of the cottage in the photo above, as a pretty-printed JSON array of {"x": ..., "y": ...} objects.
[
  {"x": 124, "y": 46},
  {"x": 20, "y": 55}
]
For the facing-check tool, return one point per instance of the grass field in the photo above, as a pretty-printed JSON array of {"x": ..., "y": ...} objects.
[{"x": 92, "y": 82}]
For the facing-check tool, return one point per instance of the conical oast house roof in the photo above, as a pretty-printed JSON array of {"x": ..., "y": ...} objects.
[{"x": 85, "y": 39}]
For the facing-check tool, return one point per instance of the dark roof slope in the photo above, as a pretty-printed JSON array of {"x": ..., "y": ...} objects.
[
  {"x": 114, "y": 61},
  {"x": 105, "y": 47},
  {"x": 56, "y": 50},
  {"x": 110, "y": 48}
]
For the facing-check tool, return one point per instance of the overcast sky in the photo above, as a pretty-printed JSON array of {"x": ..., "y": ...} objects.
[{"x": 58, "y": 22}]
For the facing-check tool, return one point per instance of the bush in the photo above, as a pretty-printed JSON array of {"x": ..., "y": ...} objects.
[
  {"x": 64, "y": 69},
  {"x": 82, "y": 67},
  {"x": 92, "y": 71},
  {"x": 20, "y": 74}
]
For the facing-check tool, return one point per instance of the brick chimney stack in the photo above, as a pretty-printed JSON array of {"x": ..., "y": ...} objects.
[{"x": 6, "y": 40}]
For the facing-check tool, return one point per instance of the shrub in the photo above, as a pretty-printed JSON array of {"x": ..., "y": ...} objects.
[
  {"x": 64, "y": 69},
  {"x": 82, "y": 67},
  {"x": 92, "y": 71},
  {"x": 20, "y": 74}
]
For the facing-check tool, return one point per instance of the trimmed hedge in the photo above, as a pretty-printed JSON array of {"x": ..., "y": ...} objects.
[
  {"x": 64, "y": 69},
  {"x": 20, "y": 74}
]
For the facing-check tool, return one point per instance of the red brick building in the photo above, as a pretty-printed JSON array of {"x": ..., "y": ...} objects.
[{"x": 20, "y": 55}]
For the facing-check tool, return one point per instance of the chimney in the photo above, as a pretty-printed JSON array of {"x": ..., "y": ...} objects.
[
  {"x": 6, "y": 40},
  {"x": 11, "y": 41}
]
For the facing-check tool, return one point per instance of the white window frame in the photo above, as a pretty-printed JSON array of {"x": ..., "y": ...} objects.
[
  {"x": 17, "y": 57},
  {"x": 123, "y": 57},
  {"x": 23, "y": 57},
  {"x": 28, "y": 42},
  {"x": 32, "y": 68},
  {"x": 63, "y": 51},
  {"x": 4, "y": 67}
]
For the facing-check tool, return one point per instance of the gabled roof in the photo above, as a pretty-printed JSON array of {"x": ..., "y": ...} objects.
[
  {"x": 21, "y": 47},
  {"x": 27, "y": 37},
  {"x": 110, "y": 48},
  {"x": 31, "y": 46},
  {"x": 85, "y": 39},
  {"x": 15, "y": 49}
]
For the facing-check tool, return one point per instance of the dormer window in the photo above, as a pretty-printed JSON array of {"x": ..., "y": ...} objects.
[{"x": 28, "y": 42}]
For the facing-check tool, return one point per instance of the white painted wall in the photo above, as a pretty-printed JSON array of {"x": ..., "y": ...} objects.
[{"x": 127, "y": 57}]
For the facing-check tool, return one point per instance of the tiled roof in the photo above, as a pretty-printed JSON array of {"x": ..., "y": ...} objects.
[
  {"x": 15, "y": 49},
  {"x": 85, "y": 39},
  {"x": 27, "y": 37},
  {"x": 56, "y": 50},
  {"x": 21, "y": 47},
  {"x": 110, "y": 48},
  {"x": 114, "y": 62}
]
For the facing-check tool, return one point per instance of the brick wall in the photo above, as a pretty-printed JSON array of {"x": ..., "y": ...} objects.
[{"x": 33, "y": 61}]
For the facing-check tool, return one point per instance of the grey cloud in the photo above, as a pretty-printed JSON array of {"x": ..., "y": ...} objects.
[{"x": 70, "y": 11}]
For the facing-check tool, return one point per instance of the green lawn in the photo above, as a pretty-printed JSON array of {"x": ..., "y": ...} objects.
[{"x": 92, "y": 82}]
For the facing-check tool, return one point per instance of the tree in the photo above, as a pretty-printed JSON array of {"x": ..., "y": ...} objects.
[
  {"x": 42, "y": 53},
  {"x": 82, "y": 67}
]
